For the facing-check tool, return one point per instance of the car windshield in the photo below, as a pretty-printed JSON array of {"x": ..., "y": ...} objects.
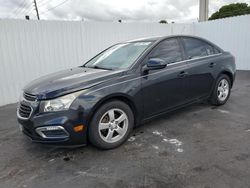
[{"x": 120, "y": 56}]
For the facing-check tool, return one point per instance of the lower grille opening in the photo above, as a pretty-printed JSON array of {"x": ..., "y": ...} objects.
[{"x": 24, "y": 111}]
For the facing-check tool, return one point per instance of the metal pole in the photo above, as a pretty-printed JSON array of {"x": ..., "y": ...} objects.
[
  {"x": 37, "y": 13},
  {"x": 203, "y": 10}
]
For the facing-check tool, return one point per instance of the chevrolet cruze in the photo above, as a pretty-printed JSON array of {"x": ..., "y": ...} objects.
[{"x": 124, "y": 86}]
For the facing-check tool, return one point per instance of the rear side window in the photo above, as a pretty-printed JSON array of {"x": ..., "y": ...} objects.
[
  {"x": 197, "y": 48},
  {"x": 169, "y": 50}
]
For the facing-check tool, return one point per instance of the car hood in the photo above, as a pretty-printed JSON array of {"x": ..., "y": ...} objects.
[{"x": 67, "y": 81}]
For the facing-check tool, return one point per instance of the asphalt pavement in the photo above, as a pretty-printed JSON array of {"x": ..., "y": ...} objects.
[{"x": 200, "y": 146}]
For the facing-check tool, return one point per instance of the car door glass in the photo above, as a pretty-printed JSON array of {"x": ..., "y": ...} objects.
[
  {"x": 196, "y": 48},
  {"x": 168, "y": 50}
]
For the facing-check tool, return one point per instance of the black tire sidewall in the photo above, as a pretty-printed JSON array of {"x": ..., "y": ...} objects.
[{"x": 93, "y": 131}]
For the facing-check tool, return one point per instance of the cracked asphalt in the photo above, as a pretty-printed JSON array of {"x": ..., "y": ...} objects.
[{"x": 200, "y": 146}]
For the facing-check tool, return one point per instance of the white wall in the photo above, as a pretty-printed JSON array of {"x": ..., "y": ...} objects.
[
  {"x": 29, "y": 49},
  {"x": 231, "y": 34}
]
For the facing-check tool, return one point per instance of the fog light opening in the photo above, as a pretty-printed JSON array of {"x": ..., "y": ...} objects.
[{"x": 52, "y": 132}]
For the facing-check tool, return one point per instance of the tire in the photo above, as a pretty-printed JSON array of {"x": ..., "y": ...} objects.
[
  {"x": 111, "y": 125},
  {"x": 221, "y": 94}
]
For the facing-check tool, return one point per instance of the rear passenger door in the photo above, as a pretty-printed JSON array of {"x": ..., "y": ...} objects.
[{"x": 201, "y": 62}]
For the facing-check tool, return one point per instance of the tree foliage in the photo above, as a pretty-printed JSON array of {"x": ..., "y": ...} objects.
[
  {"x": 234, "y": 9},
  {"x": 163, "y": 22}
]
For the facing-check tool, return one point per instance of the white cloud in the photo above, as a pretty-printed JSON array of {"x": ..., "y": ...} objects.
[{"x": 110, "y": 10}]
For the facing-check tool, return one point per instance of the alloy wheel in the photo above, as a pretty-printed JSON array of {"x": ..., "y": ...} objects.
[
  {"x": 223, "y": 90},
  {"x": 113, "y": 125}
]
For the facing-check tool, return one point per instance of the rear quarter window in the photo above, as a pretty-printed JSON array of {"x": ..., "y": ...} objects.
[{"x": 196, "y": 48}]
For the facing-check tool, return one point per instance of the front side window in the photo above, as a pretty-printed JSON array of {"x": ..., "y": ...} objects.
[
  {"x": 169, "y": 50},
  {"x": 197, "y": 48},
  {"x": 120, "y": 56}
]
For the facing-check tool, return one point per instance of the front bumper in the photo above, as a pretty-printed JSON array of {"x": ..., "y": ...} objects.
[{"x": 55, "y": 128}]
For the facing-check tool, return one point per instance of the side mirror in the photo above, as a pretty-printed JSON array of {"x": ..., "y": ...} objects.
[{"x": 154, "y": 64}]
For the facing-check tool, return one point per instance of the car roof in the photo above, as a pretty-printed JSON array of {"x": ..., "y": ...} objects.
[
  {"x": 160, "y": 38},
  {"x": 152, "y": 39}
]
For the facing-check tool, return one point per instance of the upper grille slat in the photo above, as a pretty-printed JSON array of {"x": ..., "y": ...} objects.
[{"x": 29, "y": 97}]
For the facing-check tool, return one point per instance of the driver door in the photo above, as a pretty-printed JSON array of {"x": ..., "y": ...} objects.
[{"x": 164, "y": 89}]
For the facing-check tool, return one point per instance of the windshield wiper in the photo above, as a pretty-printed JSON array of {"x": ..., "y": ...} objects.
[{"x": 97, "y": 67}]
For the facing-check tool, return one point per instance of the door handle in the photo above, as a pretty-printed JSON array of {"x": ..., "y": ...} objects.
[
  {"x": 182, "y": 74},
  {"x": 211, "y": 65}
]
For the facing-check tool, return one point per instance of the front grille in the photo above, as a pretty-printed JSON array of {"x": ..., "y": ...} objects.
[
  {"x": 24, "y": 111},
  {"x": 29, "y": 97}
]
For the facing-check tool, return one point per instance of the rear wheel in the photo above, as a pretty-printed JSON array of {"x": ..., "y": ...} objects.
[
  {"x": 111, "y": 125},
  {"x": 221, "y": 91}
]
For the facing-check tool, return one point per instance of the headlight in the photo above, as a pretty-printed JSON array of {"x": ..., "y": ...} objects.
[{"x": 58, "y": 104}]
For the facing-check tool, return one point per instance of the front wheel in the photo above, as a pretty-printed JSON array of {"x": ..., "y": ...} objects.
[
  {"x": 111, "y": 125},
  {"x": 221, "y": 91}
]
